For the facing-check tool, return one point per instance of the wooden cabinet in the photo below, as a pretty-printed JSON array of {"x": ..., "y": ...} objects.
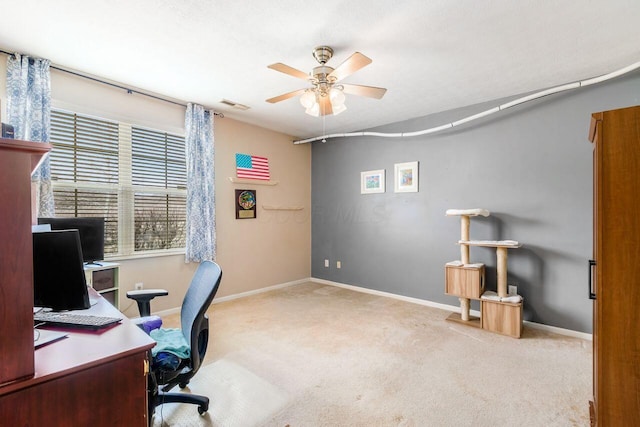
[
  {"x": 86, "y": 379},
  {"x": 615, "y": 271},
  {"x": 17, "y": 160},
  {"x": 89, "y": 378}
]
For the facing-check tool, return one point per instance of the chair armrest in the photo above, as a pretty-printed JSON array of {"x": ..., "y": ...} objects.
[
  {"x": 143, "y": 297},
  {"x": 147, "y": 292}
]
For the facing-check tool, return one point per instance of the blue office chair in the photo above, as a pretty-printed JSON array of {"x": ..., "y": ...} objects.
[{"x": 166, "y": 369}]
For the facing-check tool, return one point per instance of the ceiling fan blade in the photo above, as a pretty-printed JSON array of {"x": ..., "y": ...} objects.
[
  {"x": 368, "y": 91},
  {"x": 285, "y": 96},
  {"x": 350, "y": 66},
  {"x": 278, "y": 66},
  {"x": 325, "y": 105}
]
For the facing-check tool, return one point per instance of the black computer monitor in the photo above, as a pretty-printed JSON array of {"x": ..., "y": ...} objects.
[
  {"x": 58, "y": 273},
  {"x": 91, "y": 234}
]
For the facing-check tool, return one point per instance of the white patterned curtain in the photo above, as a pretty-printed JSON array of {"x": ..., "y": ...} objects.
[
  {"x": 29, "y": 111},
  {"x": 201, "y": 214}
]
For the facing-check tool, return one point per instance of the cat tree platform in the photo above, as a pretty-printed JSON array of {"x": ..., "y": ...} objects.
[
  {"x": 501, "y": 254},
  {"x": 467, "y": 282}
]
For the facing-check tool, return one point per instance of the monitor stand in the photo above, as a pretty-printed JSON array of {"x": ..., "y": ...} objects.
[
  {"x": 88, "y": 263},
  {"x": 93, "y": 300}
]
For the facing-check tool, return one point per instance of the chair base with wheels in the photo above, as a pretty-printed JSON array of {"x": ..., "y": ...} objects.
[
  {"x": 161, "y": 396},
  {"x": 179, "y": 353}
]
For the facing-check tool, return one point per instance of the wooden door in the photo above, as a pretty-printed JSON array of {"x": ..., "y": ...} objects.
[
  {"x": 617, "y": 272},
  {"x": 595, "y": 135}
]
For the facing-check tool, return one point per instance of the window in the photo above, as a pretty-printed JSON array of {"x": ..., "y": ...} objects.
[
  {"x": 159, "y": 180},
  {"x": 134, "y": 177}
]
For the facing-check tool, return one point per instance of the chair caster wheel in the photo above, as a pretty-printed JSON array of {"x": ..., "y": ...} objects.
[
  {"x": 183, "y": 385},
  {"x": 202, "y": 409}
]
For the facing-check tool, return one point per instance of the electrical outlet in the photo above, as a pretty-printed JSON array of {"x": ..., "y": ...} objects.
[
  {"x": 326, "y": 263},
  {"x": 338, "y": 264},
  {"x": 513, "y": 290},
  {"x": 138, "y": 286}
]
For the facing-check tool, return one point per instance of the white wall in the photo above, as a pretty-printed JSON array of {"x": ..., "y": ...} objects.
[{"x": 274, "y": 248}]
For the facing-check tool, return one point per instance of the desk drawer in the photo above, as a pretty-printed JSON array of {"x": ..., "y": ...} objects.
[{"x": 104, "y": 279}]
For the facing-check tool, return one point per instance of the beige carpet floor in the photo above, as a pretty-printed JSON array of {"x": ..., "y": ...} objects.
[{"x": 317, "y": 355}]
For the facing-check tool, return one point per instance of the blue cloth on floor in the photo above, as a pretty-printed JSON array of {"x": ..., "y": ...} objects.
[{"x": 170, "y": 341}]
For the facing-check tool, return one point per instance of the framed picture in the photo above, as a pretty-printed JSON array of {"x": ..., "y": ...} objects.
[
  {"x": 406, "y": 177},
  {"x": 245, "y": 204},
  {"x": 372, "y": 182}
]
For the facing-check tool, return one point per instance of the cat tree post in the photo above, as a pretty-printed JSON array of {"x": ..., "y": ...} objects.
[
  {"x": 501, "y": 253},
  {"x": 465, "y": 303},
  {"x": 465, "y": 223}
]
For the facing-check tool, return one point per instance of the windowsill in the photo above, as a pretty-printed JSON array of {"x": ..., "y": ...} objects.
[{"x": 149, "y": 254}]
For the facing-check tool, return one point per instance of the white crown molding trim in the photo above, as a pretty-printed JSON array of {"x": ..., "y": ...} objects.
[{"x": 540, "y": 326}]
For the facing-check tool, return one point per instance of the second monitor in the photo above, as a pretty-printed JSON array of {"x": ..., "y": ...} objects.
[{"x": 91, "y": 234}]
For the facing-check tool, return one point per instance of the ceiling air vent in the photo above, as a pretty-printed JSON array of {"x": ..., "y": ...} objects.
[{"x": 234, "y": 105}]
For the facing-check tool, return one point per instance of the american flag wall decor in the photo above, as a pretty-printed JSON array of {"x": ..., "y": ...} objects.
[{"x": 252, "y": 167}]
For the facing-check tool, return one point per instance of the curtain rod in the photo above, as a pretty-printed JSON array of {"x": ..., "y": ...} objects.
[{"x": 129, "y": 90}]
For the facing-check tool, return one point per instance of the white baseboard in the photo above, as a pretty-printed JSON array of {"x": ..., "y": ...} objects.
[
  {"x": 554, "y": 329},
  {"x": 240, "y": 295},
  {"x": 261, "y": 290},
  {"x": 394, "y": 296},
  {"x": 427, "y": 303},
  {"x": 166, "y": 312},
  {"x": 560, "y": 331}
]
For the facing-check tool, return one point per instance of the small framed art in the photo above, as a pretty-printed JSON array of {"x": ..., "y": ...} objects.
[
  {"x": 406, "y": 177},
  {"x": 372, "y": 182},
  {"x": 245, "y": 204}
]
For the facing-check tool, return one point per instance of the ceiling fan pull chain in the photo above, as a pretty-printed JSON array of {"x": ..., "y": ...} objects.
[{"x": 324, "y": 132}]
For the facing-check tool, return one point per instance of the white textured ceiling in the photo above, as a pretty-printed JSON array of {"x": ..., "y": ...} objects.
[{"x": 431, "y": 55}]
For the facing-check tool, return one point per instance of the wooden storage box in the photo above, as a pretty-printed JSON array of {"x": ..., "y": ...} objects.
[
  {"x": 465, "y": 281},
  {"x": 501, "y": 317}
]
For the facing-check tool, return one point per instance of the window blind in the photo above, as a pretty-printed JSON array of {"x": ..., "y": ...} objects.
[
  {"x": 84, "y": 170},
  {"x": 159, "y": 182},
  {"x": 132, "y": 176}
]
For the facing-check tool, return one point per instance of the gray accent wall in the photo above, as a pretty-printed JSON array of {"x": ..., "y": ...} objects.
[{"x": 530, "y": 166}]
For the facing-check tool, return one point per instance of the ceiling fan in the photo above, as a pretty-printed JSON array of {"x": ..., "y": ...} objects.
[{"x": 326, "y": 96}]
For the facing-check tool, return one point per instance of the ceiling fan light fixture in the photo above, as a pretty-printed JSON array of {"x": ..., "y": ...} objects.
[
  {"x": 314, "y": 110},
  {"x": 336, "y": 96},
  {"x": 308, "y": 98},
  {"x": 338, "y": 109}
]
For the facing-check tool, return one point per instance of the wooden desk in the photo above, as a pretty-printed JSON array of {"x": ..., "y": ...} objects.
[{"x": 87, "y": 379}]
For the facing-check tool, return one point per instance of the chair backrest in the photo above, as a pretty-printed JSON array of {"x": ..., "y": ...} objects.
[{"x": 194, "y": 322}]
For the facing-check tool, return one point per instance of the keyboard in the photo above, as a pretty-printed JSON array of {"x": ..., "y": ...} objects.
[{"x": 73, "y": 320}]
